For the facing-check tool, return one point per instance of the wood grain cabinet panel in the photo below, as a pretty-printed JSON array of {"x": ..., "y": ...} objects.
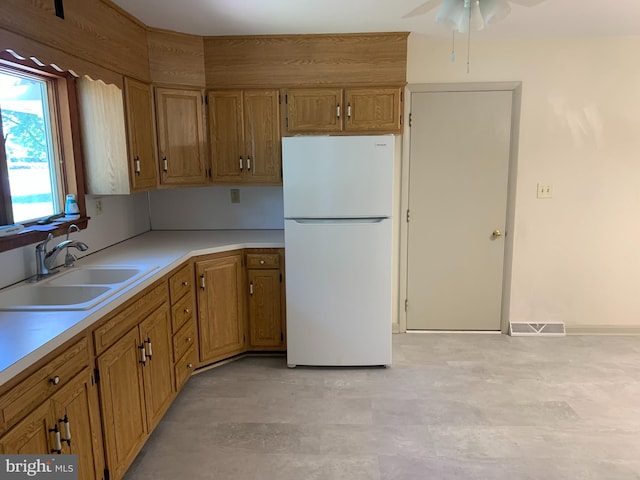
[
  {"x": 265, "y": 278},
  {"x": 244, "y": 132},
  {"x": 143, "y": 167},
  {"x": 373, "y": 109},
  {"x": 181, "y": 142},
  {"x": 314, "y": 110},
  {"x": 221, "y": 314},
  {"x": 344, "y": 111}
]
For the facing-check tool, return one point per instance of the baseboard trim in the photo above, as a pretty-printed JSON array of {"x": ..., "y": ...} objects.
[{"x": 602, "y": 330}]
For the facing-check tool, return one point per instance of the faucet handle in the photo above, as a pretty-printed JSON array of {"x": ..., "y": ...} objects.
[{"x": 43, "y": 245}]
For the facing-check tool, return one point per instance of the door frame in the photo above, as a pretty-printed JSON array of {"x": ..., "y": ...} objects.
[{"x": 516, "y": 91}]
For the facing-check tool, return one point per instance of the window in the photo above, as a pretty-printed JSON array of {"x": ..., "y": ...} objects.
[
  {"x": 40, "y": 158},
  {"x": 30, "y": 153}
]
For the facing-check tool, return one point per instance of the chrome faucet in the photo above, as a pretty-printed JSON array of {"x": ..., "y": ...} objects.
[{"x": 45, "y": 259}]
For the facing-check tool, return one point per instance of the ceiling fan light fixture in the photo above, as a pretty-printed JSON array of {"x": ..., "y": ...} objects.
[
  {"x": 494, "y": 10},
  {"x": 463, "y": 15}
]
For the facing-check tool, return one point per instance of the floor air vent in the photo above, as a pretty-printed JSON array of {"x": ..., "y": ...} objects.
[{"x": 551, "y": 329}]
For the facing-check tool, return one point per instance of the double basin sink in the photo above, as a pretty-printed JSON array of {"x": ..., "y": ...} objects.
[{"x": 78, "y": 288}]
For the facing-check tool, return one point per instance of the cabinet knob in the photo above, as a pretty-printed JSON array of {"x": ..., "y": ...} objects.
[
  {"x": 189, "y": 365},
  {"x": 261, "y": 262},
  {"x": 185, "y": 284},
  {"x": 187, "y": 311},
  {"x": 189, "y": 339},
  {"x": 55, "y": 380}
]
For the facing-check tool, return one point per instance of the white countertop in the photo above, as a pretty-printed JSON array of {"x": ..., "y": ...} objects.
[{"x": 26, "y": 337}]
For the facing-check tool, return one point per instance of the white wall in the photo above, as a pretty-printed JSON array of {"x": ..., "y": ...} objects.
[
  {"x": 206, "y": 208},
  {"x": 576, "y": 256},
  {"x": 122, "y": 217}
]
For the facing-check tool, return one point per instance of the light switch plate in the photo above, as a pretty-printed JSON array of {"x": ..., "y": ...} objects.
[
  {"x": 545, "y": 190},
  {"x": 235, "y": 195}
]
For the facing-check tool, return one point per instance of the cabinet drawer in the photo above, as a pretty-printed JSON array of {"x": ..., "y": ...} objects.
[
  {"x": 181, "y": 312},
  {"x": 180, "y": 283},
  {"x": 108, "y": 333},
  {"x": 183, "y": 340},
  {"x": 43, "y": 383},
  {"x": 263, "y": 260},
  {"x": 184, "y": 367}
]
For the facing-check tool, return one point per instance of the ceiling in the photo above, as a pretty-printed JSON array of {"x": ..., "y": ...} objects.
[{"x": 551, "y": 18}]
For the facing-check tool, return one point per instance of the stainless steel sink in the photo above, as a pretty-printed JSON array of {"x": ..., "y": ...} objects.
[{"x": 78, "y": 288}]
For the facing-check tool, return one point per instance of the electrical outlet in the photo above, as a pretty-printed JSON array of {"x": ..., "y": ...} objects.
[
  {"x": 545, "y": 191},
  {"x": 235, "y": 195},
  {"x": 98, "y": 206}
]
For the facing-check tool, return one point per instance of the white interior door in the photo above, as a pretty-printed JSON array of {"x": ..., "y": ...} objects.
[{"x": 459, "y": 162}]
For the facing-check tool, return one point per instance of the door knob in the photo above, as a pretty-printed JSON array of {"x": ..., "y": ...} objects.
[{"x": 496, "y": 234}]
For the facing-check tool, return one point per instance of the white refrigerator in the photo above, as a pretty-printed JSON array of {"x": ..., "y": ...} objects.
[{"x": 338, "y": 200}]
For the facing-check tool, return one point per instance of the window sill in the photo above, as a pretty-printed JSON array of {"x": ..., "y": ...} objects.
[{"x": 36, "y": 233}]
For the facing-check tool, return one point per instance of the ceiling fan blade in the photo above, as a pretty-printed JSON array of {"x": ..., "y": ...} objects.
[
  {"x": 422, "y": 9},
  {"x": 527, "y": 3}
]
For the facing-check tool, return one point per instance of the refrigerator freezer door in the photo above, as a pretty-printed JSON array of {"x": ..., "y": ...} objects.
[
  {"x": 338, "y": 293},
  {"x": 346, "y": 177}
]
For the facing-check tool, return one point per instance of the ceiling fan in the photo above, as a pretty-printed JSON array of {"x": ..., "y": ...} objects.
[{"x": 465, "y": 14}]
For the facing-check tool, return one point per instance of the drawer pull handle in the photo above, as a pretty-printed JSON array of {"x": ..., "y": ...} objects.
[
  {"x": 57, "y": 443},
  {"x": 67, "y": 429},
  {"x": 55, "y": 380},
  {"x": 202, "y": 284},
  {"x": 261, "y": 262}
]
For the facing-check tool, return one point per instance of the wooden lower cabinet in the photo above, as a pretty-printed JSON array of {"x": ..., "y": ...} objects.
[
  {"x": 136, "y": 388},
  {"x": 221, "y": 312},
  {"x": 72, "y": 411},
  {"x": 265, "y": 309}
]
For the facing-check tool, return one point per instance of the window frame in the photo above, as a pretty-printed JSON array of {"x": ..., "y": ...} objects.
[{"x": 66, "y": 130}]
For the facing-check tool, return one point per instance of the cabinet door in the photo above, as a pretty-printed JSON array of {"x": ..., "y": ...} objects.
[
  {"x": 124, "y": 421},
  {"x": 311, "y": 110},
  {"x": 181, "y": 144},
  {"x": 262, "y": 136},
  {"x": 265, "y": 311},
  {"x": 155, "y": 332},
  {"x": 220, "y": 308},
  {"x": 143, "y": 169},
  {"x": 226, "y": 136},
  {"x": 75, "y": 409},
  {"x": 31, "y": 435},
  {"x": 373, "y": 109}
]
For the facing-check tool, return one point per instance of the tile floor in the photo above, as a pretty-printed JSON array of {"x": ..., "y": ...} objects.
[{"x": 452, "y": 406}]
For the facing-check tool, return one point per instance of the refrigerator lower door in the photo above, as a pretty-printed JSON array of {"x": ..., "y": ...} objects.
[{"x": 338, "y": 292}]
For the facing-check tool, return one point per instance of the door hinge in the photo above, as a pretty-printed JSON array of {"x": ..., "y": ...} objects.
[
  {"x": 281, "y": 278},
  {"x": 410, "y": 119},
  {"x": 406, "y": 304},
  {"x": 408, "y": 215},
  {"x": 286, "y": 122},
  {"x": 280, "y": 99},
  {"x": 286, "y": 98},
  {"x": 208, "y": 172},
  {"x": 205, "y": 99},
  {"x": 96, "y": 375},
  {"x": 281, "y": 337},
  {"x": 107, "y": 475},
  {"x": 401, "y": 96}
]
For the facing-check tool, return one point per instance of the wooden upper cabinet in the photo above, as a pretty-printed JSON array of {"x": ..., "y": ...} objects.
[
  {"x": 245, "y": 136},
  {"x": 108, "y": 161},
  {"x": 226, "y": 135},
  {"x": 143, "y": 170},
  {"x": 314, "y": 110},
  {"x": 349, "y": 110},
  {"x": 181, "y": 142},
  {"x": 373, "y": 109},
  {"x": 262, "y": 136}
]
